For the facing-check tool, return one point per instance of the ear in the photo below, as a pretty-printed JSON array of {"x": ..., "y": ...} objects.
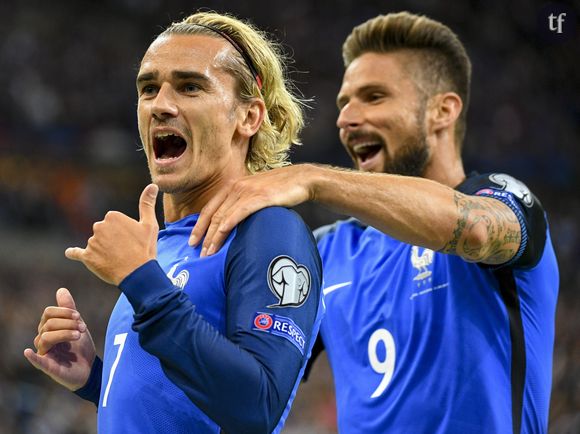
[
  {"x": 443, "y": 111},
  {"x": 251, "y": 117}
]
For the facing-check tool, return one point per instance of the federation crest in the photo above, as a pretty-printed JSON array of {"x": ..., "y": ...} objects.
[
  {"x": 288, "y": 281},
  {"x": 422, "y": 262},
  {"x": 180, "y": 280}
]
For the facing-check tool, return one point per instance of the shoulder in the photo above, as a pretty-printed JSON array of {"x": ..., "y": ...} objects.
[
  {"x": 272, "y": 216},
  {"x": 326, "y": 231},
  {"x": 499, "y": 185},
  {"x": 274, "y": 229},
  {"x": 270, "y": 238},
  {"x": 273, "y": 223}
]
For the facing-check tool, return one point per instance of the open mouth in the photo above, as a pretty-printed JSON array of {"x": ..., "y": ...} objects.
[
  {"x": 168, "y": 145},
  {"x": 365, "y": 152}
]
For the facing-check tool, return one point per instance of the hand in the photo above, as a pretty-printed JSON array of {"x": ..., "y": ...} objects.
[
  {"x": 65, "y": 349},
  {"x": 120, "y": 244},
  {"x": 287, "y": 186}
]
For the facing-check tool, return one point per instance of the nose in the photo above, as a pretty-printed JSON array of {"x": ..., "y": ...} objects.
[
  {"x": 164, "y": 105},
  {"x": 350, "y": 116}
]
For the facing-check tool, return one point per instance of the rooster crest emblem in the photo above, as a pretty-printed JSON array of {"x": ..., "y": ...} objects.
[
  {"x": 422, "y": 262},
  {"x": 182, "y": 277}
]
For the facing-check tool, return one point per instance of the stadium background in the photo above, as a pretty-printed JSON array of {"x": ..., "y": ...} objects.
[{"x": 68, "y": 153}]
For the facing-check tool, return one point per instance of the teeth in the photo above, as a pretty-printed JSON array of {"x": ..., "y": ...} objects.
[
  {"x": 164, "y": 134},
  {"x": 362, "y": 147}
]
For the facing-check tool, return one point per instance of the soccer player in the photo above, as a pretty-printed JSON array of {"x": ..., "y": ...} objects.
[
  {"x": 441, "y": 292},
  {"x": 197, "y": 345}
]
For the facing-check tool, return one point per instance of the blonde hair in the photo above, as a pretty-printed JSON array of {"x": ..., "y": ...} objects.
[
  {"x": 443, "y": 62},
  {"x": 284, "y": 119}
]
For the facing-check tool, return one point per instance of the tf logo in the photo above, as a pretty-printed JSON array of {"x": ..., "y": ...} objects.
[{"x": 288, "y": 281}]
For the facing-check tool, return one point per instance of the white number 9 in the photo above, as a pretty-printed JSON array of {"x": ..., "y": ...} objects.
[{"x": 384, "y": 367}]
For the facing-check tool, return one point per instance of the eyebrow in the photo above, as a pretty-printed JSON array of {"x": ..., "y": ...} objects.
[
  {"x": 371, "y": 87},
  {"x": 341, "y": 101},
  {"x": 176, "y": 75},
  {"x": 147, "y": 76}
]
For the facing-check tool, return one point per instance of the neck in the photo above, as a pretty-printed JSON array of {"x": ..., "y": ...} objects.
[
  {"x": 179, "y": 205},
  {"x": 451, "y": 174},
  {"x": 191, "y": 201},
  {"x": 445, "y": 166}
]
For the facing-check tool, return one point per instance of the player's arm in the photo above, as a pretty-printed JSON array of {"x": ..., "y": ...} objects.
[
  {"x": 414, "y": 210},
  {"x": 242, "y": 380},
  {"x": 422, "y": 212}
]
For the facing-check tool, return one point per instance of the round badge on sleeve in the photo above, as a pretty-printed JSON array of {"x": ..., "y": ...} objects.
[
  {"x": 513, "y": 186},
  {"x": 288, "y": 281}
]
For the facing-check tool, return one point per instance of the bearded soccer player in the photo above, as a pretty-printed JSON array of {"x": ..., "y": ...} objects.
[
  {"x": 441, "y": 291},
  {"x": 197, "y": 345}
]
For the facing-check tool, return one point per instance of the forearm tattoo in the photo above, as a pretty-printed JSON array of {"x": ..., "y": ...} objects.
[{"x": 502, "y": 229}]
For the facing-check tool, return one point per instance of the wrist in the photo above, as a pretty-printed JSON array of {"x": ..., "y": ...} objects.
[
  {"x": 313, "y": 179},
  {"x": 130, "y": 269}
]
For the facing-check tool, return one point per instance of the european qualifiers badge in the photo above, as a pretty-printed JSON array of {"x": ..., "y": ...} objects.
[
  {"x": 288, "y": 281},
  {"x": 513, "y": 186}
]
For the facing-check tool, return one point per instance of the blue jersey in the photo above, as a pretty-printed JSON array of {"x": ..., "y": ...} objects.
[
  {"x": 424, "y": 342},
  {"x": 198, "y": 344}
]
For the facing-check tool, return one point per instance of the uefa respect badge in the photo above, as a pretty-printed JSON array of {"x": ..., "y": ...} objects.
[{"x": 282, "y": 326}]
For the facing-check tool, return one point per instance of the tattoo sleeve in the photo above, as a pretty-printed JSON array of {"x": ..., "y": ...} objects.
[{"x": 486, "y": 230}]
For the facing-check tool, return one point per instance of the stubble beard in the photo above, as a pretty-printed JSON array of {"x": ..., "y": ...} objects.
[
  {"x": 176, "y": 184},
  {"x": 413, "y": 157}
]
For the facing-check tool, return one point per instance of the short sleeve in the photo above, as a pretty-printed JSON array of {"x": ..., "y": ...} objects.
[{"x": 526, "y": 207}]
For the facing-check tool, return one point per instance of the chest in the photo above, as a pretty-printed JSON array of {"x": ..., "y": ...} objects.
[
  {"x": 373, "y": 281},
  {"x": 377, "y": 276},
  {"x": 202, "y": 279}
]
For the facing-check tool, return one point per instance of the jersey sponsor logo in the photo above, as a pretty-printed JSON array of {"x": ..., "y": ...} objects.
[
  {"x": 282, "y": 326},
  {"x": 288, "y": 281},
  {"x": 181, "y": 279},
  {"x": 513, "y": 186},
  {"x": 422, "y": 262}
]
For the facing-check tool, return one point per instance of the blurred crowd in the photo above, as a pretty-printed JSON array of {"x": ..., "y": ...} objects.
[{"x": 69, "y": 152}]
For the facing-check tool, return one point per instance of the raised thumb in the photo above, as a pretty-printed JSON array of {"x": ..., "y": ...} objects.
[
  {"x": 147, "y": 204},
  {"x": 65, "y": 299}
]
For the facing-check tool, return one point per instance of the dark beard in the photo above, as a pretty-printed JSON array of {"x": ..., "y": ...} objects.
[{"x": 411, "y": 159}]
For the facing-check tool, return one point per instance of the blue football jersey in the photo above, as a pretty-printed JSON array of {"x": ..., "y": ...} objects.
[
  {"x": 424, "y": 342},
  {"x": 198, "y": 344}
]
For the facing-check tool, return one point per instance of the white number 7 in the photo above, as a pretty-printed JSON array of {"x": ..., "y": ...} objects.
[
  {"x": 387, "y": 366},
  {"x": 119, "y": 340}
]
